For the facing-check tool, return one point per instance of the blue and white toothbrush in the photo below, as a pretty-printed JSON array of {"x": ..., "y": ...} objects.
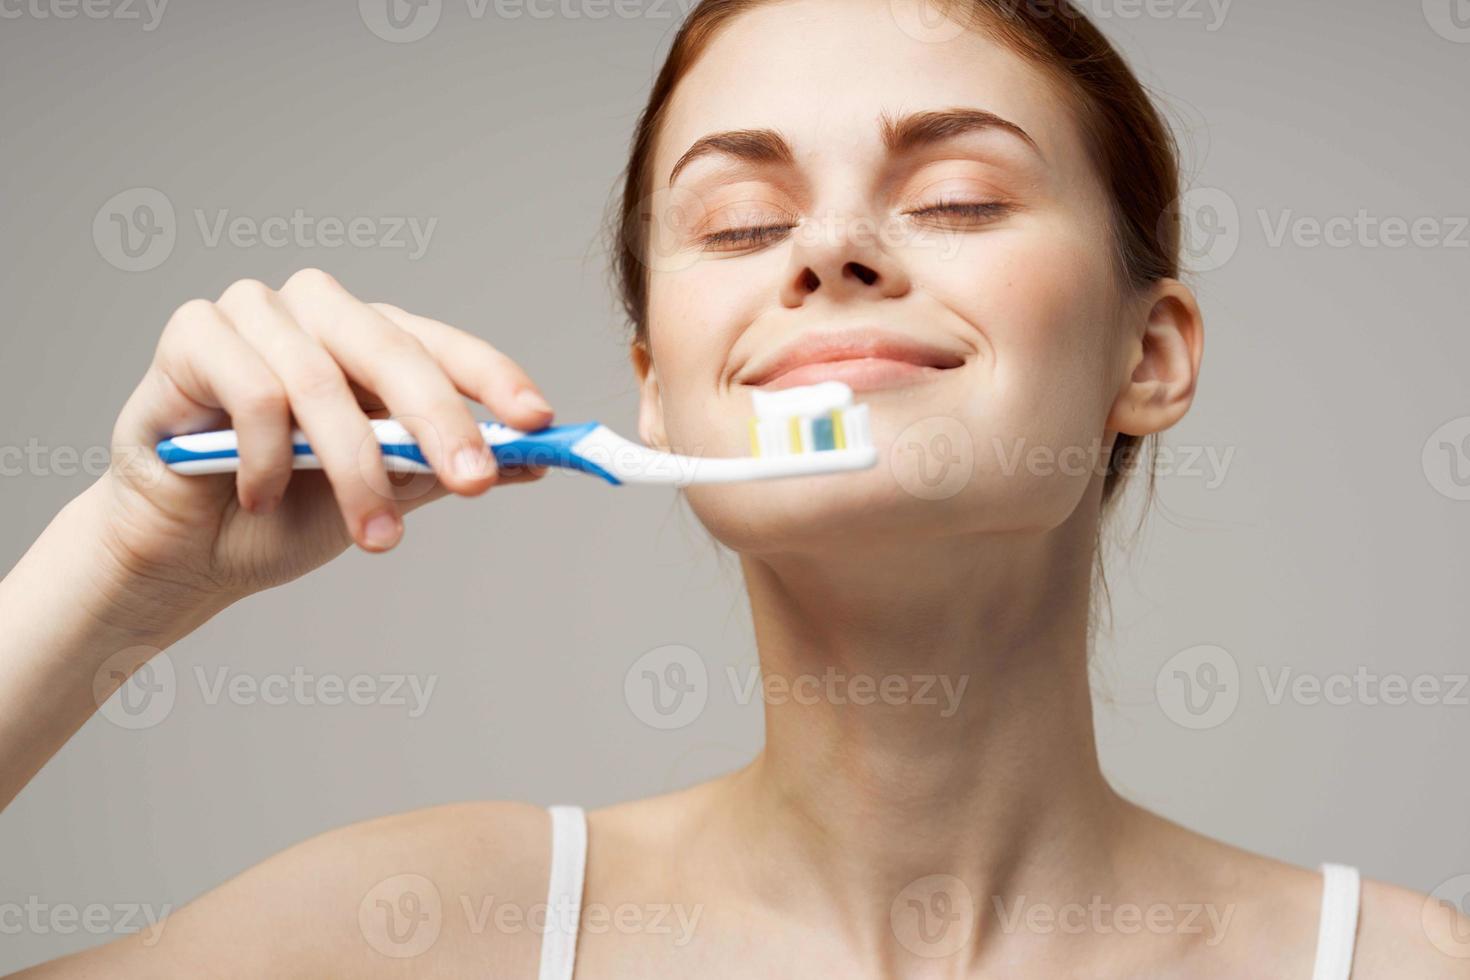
[{"x": 796, "y": 432}]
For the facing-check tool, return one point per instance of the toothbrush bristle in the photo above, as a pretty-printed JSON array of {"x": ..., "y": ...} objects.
[{"x": 810, "y": 419}]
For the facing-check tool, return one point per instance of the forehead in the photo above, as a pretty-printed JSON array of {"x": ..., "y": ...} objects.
[{"x": 821, "y": 72}]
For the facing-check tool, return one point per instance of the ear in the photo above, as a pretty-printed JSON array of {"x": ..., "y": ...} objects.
[
  {"x": 1163, "y": 359},
  {"x": 650, "y": 399}
]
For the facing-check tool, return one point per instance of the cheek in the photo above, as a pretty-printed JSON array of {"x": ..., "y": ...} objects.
[
  {"x": 1044, "y": 305},
  {"x": 691, "y": 330},
  {"x": 1044, "y": 301}
]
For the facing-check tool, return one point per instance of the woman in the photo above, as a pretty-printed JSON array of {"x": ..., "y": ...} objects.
[{"x": 966, "y": 217}]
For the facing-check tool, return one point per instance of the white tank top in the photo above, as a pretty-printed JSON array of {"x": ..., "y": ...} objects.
[{"x": 1336, "y": 930}]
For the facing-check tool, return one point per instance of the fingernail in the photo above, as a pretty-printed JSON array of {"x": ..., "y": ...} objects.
[
  {"x": 532, "y": 401},
  {"x": 381, "y": 531},
  {"x": 473, "y": 463}
]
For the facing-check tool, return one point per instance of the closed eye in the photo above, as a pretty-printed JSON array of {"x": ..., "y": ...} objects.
[
  {"x": 733, "y": 238},
  {"x": 963, "y": 209},
  {"x": 757, "y": 235}
]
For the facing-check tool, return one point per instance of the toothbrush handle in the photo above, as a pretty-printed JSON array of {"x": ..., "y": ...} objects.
[{"x": 219, "y": 452}]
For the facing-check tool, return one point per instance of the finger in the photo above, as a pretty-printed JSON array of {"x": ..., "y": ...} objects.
[
  {"x": 324, "y": 408},
  {"x": 392, "y": 363},
  {"x": 368, "y": 401},
  {"x": 210, "y": 363},
  {"x": 509, "y": 477},
  {"x": 477, "y": 369},
  {"x": 155, "y": 410},
  {"x": 529, "y": 473}
]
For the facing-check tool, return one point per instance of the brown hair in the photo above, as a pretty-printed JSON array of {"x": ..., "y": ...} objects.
[{"x": 1130, "y": 146}]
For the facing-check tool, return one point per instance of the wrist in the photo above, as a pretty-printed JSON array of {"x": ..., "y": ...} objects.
[
  {"x": 118, "y": 592},
  {"x": 76, "y": 623}
]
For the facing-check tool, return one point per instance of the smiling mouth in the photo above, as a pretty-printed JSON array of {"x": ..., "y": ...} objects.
[
  {"x": 858, "y": 373},
  {"x": 865, "y": 360}
]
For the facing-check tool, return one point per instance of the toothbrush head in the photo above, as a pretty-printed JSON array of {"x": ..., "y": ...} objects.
[
  {"x": 809, "y": 419},
  {"x": 796, "y": 432}
]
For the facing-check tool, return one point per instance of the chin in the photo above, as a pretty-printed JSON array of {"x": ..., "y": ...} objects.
[
  {"x": 909, "y": 496},
  {"x": 832, "y": 514},
  {"x": 938, "y": 475}
]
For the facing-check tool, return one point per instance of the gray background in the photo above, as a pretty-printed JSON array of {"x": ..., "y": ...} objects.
[{"x": 1333, "y": 543}]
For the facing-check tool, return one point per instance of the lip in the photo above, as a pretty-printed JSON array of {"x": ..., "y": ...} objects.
[{"x": 863, "y": 357}]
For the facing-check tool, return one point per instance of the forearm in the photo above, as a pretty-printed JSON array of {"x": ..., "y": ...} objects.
[{"x": 66, "y": 609}]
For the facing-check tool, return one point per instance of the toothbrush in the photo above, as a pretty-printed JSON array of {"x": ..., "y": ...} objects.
[{"x": 801, "y": 431}]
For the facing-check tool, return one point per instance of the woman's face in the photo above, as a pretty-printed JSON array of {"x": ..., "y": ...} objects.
[{"x": 885, "y": 182}]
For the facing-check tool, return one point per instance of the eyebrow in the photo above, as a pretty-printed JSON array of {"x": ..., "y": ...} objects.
[{"x": 900, "y": 135}]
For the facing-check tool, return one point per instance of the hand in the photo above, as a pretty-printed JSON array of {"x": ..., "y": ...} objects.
[{"x": 260, "y": 360}]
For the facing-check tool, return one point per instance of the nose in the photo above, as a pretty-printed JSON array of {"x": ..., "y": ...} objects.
[{"x": 842, "y": 260}]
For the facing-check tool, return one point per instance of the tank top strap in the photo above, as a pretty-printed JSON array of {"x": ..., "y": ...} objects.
[
  {"x": 1337, "y": 930},
  {"x": 564, "y": 892}
]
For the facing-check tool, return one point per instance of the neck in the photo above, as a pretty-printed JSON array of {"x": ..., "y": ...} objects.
[{"x": 928, "y": 712}]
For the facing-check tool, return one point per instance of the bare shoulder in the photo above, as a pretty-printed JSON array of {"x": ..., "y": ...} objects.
[
  {"x": 1403, "y": 933},
  {"x": 1273, "y": 912},
  {"x": 442, "y": 891}
]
